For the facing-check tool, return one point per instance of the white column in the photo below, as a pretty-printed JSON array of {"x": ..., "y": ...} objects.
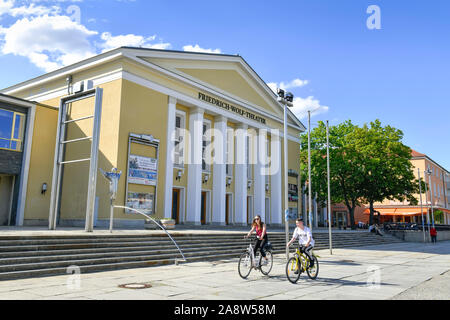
[
  {"x": 240, "y": 184},
  {"x": 168, "y": 188},
  {"x": 275, "y": 181},
  {"x": 260, "y": 156},
  {"x": 219, "y": 170},
  {"x": 194, "y": 190}
]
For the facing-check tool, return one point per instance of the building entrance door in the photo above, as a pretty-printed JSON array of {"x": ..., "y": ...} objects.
[
  {"x": 203, "y": 216},
  {"x": 176, "y": 205},
  {"x": 227, "y": 208},
  {"x": 249, "y": 210},
  {"x": 6, "y": 193}
]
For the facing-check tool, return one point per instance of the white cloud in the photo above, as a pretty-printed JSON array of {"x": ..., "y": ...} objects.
[
  {"x": 131, "y": 40},
  {"x": 296, "y": 83},
  {"x": 302, "y": 106},
  {"x": 197, "y": 48},
  {"x": 50, "y": 39},
  {"x": 6, "y": 6},
  {"x": 50, "y": 42}
]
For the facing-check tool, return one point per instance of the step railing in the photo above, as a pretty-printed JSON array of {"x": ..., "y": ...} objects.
[{"x": 162, "y": 228}]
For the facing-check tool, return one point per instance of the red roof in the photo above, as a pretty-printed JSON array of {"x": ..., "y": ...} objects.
[{"x": 414, "y": 154}]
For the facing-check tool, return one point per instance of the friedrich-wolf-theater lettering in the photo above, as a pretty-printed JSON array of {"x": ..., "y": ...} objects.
[{"x": 230, "y": 107}]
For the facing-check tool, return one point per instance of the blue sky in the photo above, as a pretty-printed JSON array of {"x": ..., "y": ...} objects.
[{"x": 322, "y": 50}]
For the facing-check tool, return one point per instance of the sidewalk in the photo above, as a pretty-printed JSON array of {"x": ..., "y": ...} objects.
[{"x": 374, "y": 273}]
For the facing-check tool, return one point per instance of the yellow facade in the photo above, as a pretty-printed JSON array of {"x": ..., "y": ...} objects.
[{"x": 135, "y": 100}]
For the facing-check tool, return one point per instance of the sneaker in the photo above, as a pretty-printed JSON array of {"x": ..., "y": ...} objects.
[
  {"x": 296, "y": 271},
  {"x": 264, "y": 262}
]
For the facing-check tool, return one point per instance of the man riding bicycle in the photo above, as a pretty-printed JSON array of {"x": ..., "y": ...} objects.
[{"x": 305, "y": 240}]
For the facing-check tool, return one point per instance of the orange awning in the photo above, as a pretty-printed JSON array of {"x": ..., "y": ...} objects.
[{"x": 407, "y": 212}]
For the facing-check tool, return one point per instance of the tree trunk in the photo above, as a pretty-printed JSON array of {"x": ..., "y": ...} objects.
[
  {"x": 372, "y": 211},
  {"x": 351, "y": 211},
  {"x": 352, "y": 218}
]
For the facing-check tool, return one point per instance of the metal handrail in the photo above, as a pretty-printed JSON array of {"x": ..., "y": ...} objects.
[{"x": 135, "y": 210}]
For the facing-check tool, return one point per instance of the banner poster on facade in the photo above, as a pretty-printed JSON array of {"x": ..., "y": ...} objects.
[
  {"x": 142, "y": 170},
  {"x": 140, "y": 201}
]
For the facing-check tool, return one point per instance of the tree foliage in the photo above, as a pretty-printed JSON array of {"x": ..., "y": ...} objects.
[{"x": 368, "y": 164}]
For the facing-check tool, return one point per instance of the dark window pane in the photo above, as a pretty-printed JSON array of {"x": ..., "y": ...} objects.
[
  {"x": 4, "y": 143},
  {"x": 6, "y": 121},
  {"x": 15, "y": 145},
  {"x": 18, "y": 127}
]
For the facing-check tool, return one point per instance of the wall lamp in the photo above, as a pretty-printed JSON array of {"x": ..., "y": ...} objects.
[
  {"x": 179, "y": 175},
  {"x": 44, "y": 188},
  {"x": 205, "y": 178},
  {"x": 267, "y": 187},
  {"x": 229, "y": 181},
  {"x": 249, "y": 184}
]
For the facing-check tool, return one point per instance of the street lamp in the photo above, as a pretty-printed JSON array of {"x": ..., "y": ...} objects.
[
  {"x": 428, "y": 172},
  {"x": 287, "y": 100}
]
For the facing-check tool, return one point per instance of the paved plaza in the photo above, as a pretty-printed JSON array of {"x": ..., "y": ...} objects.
[{"x": 393, "y": 271}]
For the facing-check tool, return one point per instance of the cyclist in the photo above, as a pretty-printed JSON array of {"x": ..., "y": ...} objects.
[
  {"x": 261, "y": 237},
  {"x": 305, "y": 240}
]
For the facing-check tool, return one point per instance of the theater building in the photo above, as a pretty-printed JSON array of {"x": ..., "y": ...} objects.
[{"x": 198, "y": 138}]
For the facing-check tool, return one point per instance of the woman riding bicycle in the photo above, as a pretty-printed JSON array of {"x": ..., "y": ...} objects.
[{"x": 261, "y": 236}]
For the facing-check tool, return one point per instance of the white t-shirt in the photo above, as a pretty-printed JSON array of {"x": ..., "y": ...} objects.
[{"x": 303, "y": 235}]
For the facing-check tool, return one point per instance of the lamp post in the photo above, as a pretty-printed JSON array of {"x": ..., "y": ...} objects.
[
  {"x": 329, "y": 190},
  {"x": 421, "y": 206},
  {"x": 309, "y": 172},
  {"x": 287, "y": 100},
  {"x": 431, "y": 196},
  {"x": 426, "y": 200}
]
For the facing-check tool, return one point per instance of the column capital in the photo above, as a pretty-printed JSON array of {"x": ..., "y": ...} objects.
[
  {"x": 242, "y": 126},
  {"x": 172, "y": 100},
  {"x": 220, "y": 119},
  {"x": 197, "y": 110}
]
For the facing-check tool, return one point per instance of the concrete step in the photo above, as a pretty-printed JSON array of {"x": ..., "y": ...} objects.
[{"x": 35, "y": 256}]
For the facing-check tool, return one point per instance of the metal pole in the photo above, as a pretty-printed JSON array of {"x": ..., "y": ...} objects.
[
  {"x": 431, "y": 200},
  {"x": 286, "y": 200},
  {"x": 111, "y": 217},
  {"x": 426, "y": 199},
  {"x": 329, "y": 189},
  {"x": 421, "y": 206},
  {"x": 309, "y": 172}
]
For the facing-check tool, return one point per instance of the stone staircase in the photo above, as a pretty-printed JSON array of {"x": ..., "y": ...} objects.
[{"x": 43, "y": 255}]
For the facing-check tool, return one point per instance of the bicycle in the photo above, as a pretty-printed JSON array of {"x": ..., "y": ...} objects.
[
  {"x": 300, "y": 263},
  {"x": 248, "y": 261}
]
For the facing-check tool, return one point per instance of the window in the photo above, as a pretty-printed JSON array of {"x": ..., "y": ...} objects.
[
  {"x": 247, "y": 158},
  {"x": 229, "y": 152},
  {"x": 12, "y": 128},
  {"x": 267, "y": 166},
  {"x": 206, "y": 140},
  {"x": 179, "y": 140}
]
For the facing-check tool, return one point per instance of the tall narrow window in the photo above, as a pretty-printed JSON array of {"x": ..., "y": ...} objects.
[
  {"x": 12, "y": 128},
  {"x": 247, "y": 158},
  {"x": 179, "y": 140},
  {"x": 206, "y": 158},
  {"x": 229, "y": 152}
]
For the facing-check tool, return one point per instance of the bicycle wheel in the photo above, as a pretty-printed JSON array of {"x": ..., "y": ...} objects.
[
  {"x": 266, "y": 268},
  {"x": 245, "y": 265},
  {"x": 293, "y": 266},
  {"x": 314, "y": 271}
]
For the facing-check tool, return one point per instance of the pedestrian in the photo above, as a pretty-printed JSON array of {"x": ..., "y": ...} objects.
[{"x": 433, "y": 234}]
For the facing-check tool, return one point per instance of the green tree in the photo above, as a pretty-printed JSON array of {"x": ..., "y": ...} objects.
[
  {"x": 346, "y": 175},
  {"x": 368, "y": 164},
  {"x": 386, "y": 164}
]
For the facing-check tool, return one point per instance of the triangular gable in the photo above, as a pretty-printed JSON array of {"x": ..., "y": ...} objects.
[{"x": 225, "y": 77}]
